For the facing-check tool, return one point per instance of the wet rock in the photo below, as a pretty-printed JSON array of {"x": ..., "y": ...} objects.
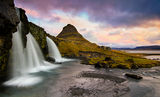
[
  {"x": 58, "y": 62},
  {"x": 50, "y": 59},
  {"x": 103, "y": 76},
  {"x": 24, "y": 25},
  {"x": 134, "y": 76}
]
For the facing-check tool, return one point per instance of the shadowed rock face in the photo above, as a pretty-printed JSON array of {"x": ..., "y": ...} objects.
[
  {"x": 8, "y": 17},
  {"x": 24, "y": 25},
  {"x": 8, "y": 22}
]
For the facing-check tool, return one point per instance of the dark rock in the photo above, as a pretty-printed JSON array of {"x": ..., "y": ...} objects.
[
  {"x": 50, "y": 59},
  {"x": 8, "y": 23},
  {"x": 102, "y": 64},
  {"x": 97, "y": 65},
  {"x": 58, "y": 62},
  {"x": 108, "y": 59},
  {"x": 24, "y": 25},
  {"x": 8, "y": 17},
  {"x": 104, "y": 47},
  {"x": 134, "y": 76},
  {"x": 133, "y": 65}
]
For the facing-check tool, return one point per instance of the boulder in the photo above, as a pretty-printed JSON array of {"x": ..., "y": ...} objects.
[
  {"x": 134, "y": 76},
  {"x": 50, "y": 59}
]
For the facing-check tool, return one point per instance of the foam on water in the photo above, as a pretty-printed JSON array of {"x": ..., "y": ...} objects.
[
  {"x": 54, "y": 52},
  {"x": 24, "y": 81}
]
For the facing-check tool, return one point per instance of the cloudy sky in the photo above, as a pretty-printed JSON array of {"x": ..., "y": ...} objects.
[{"x": 116, "y": 23}]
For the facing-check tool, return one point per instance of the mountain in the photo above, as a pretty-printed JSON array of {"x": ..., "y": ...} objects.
[
  {"x": 70, "y": 32},
  {"x": 72, "y": 44},
  {"x": 153, "y": 47}
]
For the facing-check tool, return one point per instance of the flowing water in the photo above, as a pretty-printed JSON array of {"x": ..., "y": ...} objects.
[
  {"x": 54, "y": 52},
  {"x": 26, "y": 60},
  {"x": 42, "y": 88}
]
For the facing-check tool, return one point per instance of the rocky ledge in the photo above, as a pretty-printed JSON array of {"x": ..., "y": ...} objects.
[{"x": 8, "y": 22}]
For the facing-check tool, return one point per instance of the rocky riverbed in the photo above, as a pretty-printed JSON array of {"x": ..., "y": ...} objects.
[{"x": 73, "y": 79}]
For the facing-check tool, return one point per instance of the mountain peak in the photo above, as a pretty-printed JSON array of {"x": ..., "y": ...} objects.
[{"x": 69, "y": 31}]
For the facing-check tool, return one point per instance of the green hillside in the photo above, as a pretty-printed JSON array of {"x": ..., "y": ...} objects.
[{"x": 72, "y": 44}]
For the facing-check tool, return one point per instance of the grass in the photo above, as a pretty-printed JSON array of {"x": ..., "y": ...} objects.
[{"x": 93, "y": 54}]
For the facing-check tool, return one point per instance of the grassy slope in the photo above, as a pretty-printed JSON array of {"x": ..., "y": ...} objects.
[{"x": 76, "y": 46}]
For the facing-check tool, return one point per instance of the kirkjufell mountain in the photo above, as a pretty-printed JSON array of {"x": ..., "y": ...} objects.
[{"x": 68, "y": 32}]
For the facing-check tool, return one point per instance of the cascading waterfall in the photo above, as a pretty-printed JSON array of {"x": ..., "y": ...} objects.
[
  {"x": 17, "y": 57},
  {"x": 34, "y": 55},
  {"x": 54, "y": 52},
  {"x": 24, "y": 61}
]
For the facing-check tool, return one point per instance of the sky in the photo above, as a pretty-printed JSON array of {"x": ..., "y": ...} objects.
[{"x": 114, "y": 23}]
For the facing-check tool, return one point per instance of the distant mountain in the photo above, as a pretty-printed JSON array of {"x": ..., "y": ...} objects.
[{"x": 153, "y": 47}]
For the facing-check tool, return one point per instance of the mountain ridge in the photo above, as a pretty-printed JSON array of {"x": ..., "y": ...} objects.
[{"x": 150, "y": 47}]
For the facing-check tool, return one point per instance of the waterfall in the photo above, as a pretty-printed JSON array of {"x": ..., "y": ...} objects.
[
  {"x": 53, "y": 50},
  {"x": 25, "y": 61},
  {"x": 17, "y": 56},
  {"x": 34, "y": 55}
]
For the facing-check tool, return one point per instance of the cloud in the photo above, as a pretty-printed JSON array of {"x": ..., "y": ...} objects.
[
  {"x": 112, "y": 22},
  {"x": 113, "y": 12}
]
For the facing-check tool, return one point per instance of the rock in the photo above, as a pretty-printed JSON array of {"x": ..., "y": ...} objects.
[
  {"x": 50, "y": 59},
  {"x": 104, "y": 47},
  {"x": 134, "y": 76},
  {"x": 8, "y": 23},
  {"x": 24, "y": 26},
  {"x": 8, "y": 17},
  {"x": 108, "y": 59},
  {"x": 102, "y": 64}
]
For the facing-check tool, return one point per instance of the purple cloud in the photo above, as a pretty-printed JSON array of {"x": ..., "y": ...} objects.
[{"x": 113, "y": 12}]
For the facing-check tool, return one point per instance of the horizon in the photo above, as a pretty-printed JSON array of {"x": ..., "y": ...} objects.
[{"x": 122, "y": 24}]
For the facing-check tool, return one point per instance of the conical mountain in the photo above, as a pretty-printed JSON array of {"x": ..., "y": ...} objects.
[{"x": 70, "y": 32}]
